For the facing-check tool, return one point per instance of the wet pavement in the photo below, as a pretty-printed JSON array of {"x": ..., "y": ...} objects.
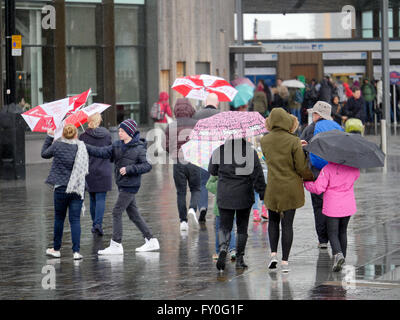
[{"x": 183, "y": 268}]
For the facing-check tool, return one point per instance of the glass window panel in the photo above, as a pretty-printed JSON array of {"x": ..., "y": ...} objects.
[
  {"x": 132, "y": 17},
  {"x": 81, "y": 70},
  {"x": 80, "y": 25},
  {"x": 128, "y": 80},
  {"x": 367, "y": 20},
  {"x": 367, "y": 33}
]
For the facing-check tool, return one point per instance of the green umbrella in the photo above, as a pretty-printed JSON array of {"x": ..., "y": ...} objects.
[{"x": 244, "y": 95}]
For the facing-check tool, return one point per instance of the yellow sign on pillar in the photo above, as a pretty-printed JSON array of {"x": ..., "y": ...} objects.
[{"x": 16, "y": 45}]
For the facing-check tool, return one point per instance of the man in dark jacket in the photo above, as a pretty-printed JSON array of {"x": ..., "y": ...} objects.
[
  {"x": 129, "y": 156},
  {"x": 211, "y": 109},
  {"x": 322, "y": 122},
  {"x": 176, "y": 135},
  {"x": 354, "y": 107}
]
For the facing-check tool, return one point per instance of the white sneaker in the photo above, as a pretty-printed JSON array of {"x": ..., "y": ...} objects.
[
  {"x": 53, "y": 253},
  {"x": 77, "y": 256},
  {"x": 192, "y": 215},
  {"x": 184, "y": 226},
  {"x": 150, "y": 245},
  {"x": 115, "y": 248}
]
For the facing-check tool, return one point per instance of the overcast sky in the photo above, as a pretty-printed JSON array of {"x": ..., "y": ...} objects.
[{"x": 301, "y": 24}]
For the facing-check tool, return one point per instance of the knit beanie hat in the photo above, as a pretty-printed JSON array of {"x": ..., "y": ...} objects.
[{"x": 129, "y": 126}]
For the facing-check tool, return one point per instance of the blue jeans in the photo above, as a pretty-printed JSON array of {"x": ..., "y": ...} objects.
[
  {"x": 203, "y": 201},
  {"x": 232, "y": 244},
  {"x": 97, "y": 207},
  {"x": 256, "y": 205},
  {"x": 62, "y": 202}
]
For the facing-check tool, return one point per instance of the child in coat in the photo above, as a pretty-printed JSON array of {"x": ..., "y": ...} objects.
[
  {"x": 129, "y": 157},
  {"x": 336, "y": 181}
]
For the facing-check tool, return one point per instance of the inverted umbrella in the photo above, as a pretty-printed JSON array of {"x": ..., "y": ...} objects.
[
  {"x": 349, "y": 149},
  {"x": 50, "y": 115},
  {"x": 79, "y": 100},
  {"x": 229, "y": 125},
  {"x": 244, "y": 95},
  {"x": 200, "y": 86},
  {"x": 293, "y": 84},
  {"x": 81, "y": 116},
  {"x": 47, "y": 116},
  {"x": 244, "y": 80}
]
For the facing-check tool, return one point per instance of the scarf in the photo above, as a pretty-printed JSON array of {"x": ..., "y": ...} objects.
[{"x": 76, "y": 183}]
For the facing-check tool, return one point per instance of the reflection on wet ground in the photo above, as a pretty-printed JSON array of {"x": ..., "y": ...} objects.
[{"x": 183, "y": 269}]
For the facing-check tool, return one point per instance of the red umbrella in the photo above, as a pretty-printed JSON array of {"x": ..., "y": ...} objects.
[
  {"x": 200, "y": 86},
  {"x": 81, "y": 116},
  {"x": 79, "y": 100}
]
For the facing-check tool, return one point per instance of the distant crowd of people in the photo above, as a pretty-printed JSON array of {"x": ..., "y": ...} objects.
[{"x": 359, "y": 100}]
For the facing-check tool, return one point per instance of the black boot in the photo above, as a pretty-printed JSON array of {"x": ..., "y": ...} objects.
[
  {"x": 240, "y": 246},
  {"x": 202, "y": 217},
  {"x": 224, "y": 240}
]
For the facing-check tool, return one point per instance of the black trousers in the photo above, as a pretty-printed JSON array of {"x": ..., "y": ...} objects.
[
  {"x": 184, "y": 174},
  {"x": 287, "y": 231},
  {"x": 337, "y": 232},
  {"x": 319, "y": 217},
  {"x": 242, "y": 220}
]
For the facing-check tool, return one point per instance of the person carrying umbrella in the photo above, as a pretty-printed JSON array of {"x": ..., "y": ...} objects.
[
  {"x": 176, "y": 135},
  {"x": 322, "y": 122},
  {"x": 239, "y": 173},
  {"x": 346, "y": 153},
  {"x": 67, "y": 175},
  {"x": 284, "y": 193},
  {"x": 209, "y": 110}
]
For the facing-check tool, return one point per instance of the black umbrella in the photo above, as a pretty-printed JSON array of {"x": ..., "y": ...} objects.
[{"x": 349, "y": 149}]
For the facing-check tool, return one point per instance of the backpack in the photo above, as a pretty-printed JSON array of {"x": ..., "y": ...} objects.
[{"x": 156, "y": 113}]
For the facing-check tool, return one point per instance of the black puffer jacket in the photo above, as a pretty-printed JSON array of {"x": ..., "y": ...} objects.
[
  {"x": 237, "y": 177},
  {"x": 64, "y": 158},
  {"x": 132, "y": 156}
]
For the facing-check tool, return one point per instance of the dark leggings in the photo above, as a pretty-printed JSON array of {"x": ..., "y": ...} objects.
[
  {"x": 242, "y": 220},
  {"x": 287, "y": 231},
  {"x": 337, "y": 233}
]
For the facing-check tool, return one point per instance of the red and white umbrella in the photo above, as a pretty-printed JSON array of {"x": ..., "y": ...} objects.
[
  {"x": 79, "y": 100},
  {"x": 81, "y": 116},
  {"x": 200, "y": 86},
  {"x": 50, "y": 115}
]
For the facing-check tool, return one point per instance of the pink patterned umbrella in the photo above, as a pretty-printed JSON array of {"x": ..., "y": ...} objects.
[{"x": 229, "y": 125}]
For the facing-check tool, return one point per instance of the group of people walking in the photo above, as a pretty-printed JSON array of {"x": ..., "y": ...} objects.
[{"x": 84, "y": 163}]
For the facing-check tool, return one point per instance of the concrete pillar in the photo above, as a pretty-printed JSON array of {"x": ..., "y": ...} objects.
[
  {"x": 59, "y": 42},
  {"x": 239, "y": 26},
  {"x": 152, "y": 54},
  {"x": 108, "y": 65}
]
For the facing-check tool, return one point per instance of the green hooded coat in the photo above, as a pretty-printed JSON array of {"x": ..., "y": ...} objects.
[{"x": 287, "y": 164}]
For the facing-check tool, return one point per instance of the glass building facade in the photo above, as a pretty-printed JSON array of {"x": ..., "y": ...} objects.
[{"x": 84, "y": 61}]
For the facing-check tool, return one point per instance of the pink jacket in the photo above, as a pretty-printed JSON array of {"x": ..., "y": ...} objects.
[{"x": 336, "y": 181}]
